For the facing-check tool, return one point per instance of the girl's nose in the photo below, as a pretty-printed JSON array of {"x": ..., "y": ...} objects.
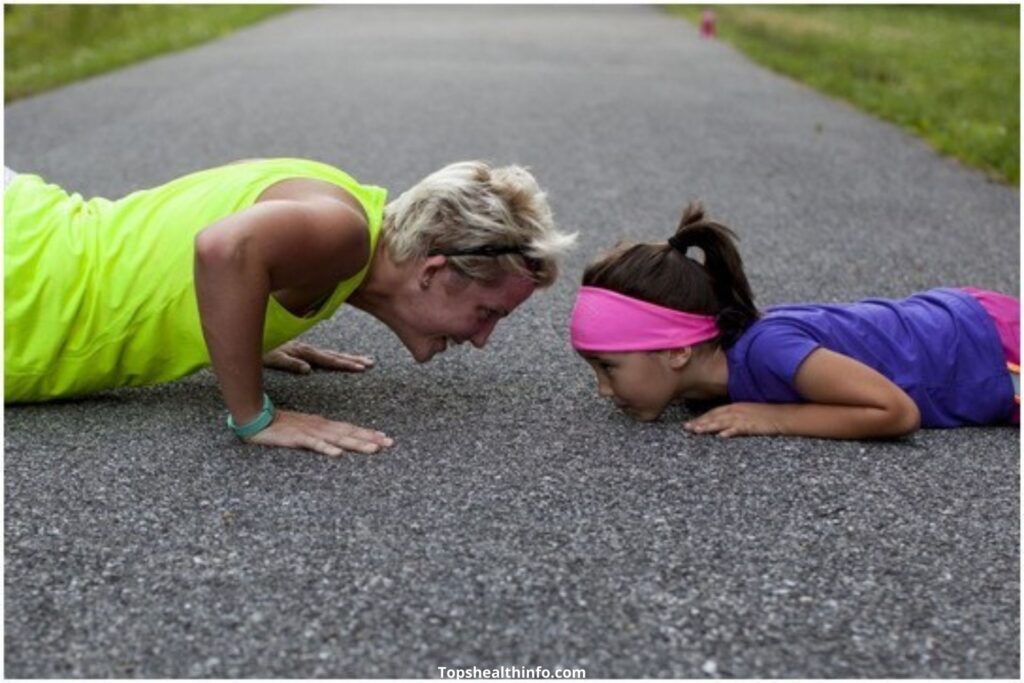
[{"x": 604, "y": 388}]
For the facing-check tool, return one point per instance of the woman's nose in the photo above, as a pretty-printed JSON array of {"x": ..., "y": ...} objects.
[
  {"x": 604, "y": 388},
  {"x": 479, "y": 340}
]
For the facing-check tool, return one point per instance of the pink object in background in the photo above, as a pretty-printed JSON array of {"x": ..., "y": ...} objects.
[
  {"x": 1004, "y": 310},
  {"x": 707, "y": 24}
]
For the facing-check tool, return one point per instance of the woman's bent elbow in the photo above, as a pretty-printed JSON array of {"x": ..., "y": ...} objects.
[{"x": 213, "y": 247}]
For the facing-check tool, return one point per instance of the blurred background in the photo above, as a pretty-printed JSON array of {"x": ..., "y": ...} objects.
[
  {"x": 523, "y": 520},
  {"x": 947, "y": 73},
  {"x": 46, "y": 46}
]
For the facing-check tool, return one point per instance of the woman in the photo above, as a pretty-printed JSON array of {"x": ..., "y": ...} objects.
[{"x": 225, "y": 266}]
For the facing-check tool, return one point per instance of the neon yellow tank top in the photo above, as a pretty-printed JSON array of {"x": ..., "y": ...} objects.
[{"x": 100, "y": 294}]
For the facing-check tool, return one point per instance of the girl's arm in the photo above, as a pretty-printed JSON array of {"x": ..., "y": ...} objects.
[
  {"x": 239, "y": 262},
  {"x": 846, "y": 400}
]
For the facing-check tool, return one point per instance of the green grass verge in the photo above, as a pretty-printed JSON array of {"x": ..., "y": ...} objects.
[
  {"x": 948, "y": 73},
  {"x": 49, "y": 45}
]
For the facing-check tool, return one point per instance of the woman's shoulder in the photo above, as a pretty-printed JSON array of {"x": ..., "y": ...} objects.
[
  {"x": 302, "y": 167},
  {"x": 309, "y": 177}
]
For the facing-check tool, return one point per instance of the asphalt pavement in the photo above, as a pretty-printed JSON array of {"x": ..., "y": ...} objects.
[{"x": 519, "y": 520}]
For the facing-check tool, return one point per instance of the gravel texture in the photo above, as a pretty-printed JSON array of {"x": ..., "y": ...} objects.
[{"x": 519, "y": 520}]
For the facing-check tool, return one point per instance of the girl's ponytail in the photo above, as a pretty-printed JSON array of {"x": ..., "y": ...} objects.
[
  {"x": 663, "y": 274},
  {"x": 736, "y": 309}
]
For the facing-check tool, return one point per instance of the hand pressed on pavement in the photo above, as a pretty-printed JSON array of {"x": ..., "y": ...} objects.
[
  {"x": 301, "y": 358},
  {"x": 737, "y": 419},
  {"x": 315, "y": 433}
]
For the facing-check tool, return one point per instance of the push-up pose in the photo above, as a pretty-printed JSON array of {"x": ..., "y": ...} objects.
[{"x": 226, "y": 265}]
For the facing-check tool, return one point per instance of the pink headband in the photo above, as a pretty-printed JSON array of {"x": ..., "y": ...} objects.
[{"x": 606, "y": 321}]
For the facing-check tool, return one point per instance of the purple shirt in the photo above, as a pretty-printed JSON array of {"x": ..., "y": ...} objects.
[{"x": 939, "y": 346}]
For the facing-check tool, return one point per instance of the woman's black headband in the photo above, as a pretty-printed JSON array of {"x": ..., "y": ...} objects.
[
  {"x": 486, "y": 250},
  {"x": 490, "y": 250}
]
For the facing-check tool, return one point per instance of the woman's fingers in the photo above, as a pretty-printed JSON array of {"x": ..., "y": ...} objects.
[
  {"x": 318, "y": 434},
  {"x": 353, "y": 438},
  {"x": 356, "y": 439},
  {"x": 318, "y": 445},
  {"x": 356, "y": 445},
  {"x": 301, "y": 357},
  {"x": 352, "y": 358},
  {"x": 280, "y": 360},
  {"x": 335, "y": 360}
]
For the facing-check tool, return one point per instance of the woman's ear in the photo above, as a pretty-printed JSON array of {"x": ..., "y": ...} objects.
[
  {"x": 680, "y": 358},
  {"x": 429, "y": 270}
]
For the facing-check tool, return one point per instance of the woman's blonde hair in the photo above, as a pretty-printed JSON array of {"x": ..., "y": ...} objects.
[{"x": 470, "y": 207}]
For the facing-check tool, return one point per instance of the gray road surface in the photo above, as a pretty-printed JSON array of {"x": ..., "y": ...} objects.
[{"x": 520, "y": 521}]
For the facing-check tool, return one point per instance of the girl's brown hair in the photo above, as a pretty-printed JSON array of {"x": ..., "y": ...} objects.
[{"x": 663, "y": 274}]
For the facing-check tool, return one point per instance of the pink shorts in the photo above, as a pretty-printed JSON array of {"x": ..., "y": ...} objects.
[{"x": 1004, "y": 310}]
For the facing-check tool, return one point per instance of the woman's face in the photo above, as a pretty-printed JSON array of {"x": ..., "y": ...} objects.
[
  {"x": 640, "y": 383},
  {"x": 449, "y": 308}
]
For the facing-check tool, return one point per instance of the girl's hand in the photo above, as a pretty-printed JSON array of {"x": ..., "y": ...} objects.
[
  {"x": 312, "y": 432},
  {"x": 301, "y": 358},
  {"x": 738, "y": 419},
  {"x": 845, "y": 399}
]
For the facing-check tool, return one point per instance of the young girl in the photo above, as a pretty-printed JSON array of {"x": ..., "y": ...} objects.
[{"x": 657, "y": 325}]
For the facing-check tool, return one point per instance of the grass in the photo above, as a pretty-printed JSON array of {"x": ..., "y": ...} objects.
[
  {"x": 948, "y": 73},
  {"x": 49, "y": 45}
]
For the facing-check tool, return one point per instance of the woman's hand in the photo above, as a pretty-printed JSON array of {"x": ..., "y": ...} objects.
[
  {"x": 301, "y": 358},
  {"x": 240, "y": 260},
  {"x": 739, "y": 419},
  {"x": 312, "y": 432}
]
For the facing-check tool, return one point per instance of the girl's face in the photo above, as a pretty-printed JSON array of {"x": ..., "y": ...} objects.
[{"x": 641, "y": 383}]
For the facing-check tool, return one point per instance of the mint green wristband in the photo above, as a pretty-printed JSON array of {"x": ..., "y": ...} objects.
[{"x": 257, "y": 424}]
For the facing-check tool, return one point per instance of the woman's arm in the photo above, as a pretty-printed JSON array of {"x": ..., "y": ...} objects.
[
  {"x": 846, "y": 400},
  {"x": 239, "y": 261}
]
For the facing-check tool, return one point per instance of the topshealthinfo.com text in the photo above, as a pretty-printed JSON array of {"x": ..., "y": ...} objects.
[{"x": 537, "y": 673}]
